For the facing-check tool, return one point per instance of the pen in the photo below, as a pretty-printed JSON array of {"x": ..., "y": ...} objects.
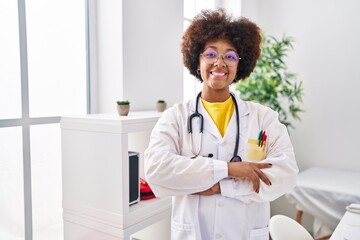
[
  {"x": 263, "y": 139},
  {"x": 260, "y": 138}
]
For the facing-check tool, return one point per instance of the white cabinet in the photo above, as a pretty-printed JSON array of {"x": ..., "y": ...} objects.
[{"x": 95, "y": 171}]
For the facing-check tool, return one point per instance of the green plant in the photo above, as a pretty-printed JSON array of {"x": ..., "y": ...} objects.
[
  {"x": 161, "y": 101},
  {"x": 125, "y": 102},
  {"x": 271, "y": 83}
]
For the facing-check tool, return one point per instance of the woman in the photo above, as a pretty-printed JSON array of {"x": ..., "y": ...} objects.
[{"x": 223, "y": 179}]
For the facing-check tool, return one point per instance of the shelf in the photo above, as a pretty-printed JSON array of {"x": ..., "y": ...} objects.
[
  {"x": 113, "y": 123},
  {"x": 141, "y": 215},
  {"x": 147, "y": 208},
  {"x": 95, "y": 168}
]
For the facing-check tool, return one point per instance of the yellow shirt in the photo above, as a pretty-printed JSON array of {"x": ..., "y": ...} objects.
[{"x": 220, "y": 112}]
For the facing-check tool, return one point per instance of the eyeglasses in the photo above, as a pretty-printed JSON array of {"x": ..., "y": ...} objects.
[{"x": 230, "y": 58}]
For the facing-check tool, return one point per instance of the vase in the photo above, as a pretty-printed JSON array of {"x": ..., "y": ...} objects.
[
  {"x": 123, "y": 110},
  {"x": 160, "y": 107}
]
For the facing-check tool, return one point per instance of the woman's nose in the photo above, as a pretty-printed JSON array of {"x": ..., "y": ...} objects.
[{"x": 220, "y": 61}]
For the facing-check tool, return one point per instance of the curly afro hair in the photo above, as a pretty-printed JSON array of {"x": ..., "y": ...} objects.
[{"x": 212, "y": 25}]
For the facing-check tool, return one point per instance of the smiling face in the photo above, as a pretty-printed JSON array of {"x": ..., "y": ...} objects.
[{"x": 218, "y": 76}]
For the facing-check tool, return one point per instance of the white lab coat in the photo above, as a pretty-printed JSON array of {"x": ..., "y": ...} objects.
[{"x": 238, "y": 213}]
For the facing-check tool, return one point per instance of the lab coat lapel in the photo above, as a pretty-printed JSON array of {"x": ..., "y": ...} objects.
[
  {"x": 230, "y": 134},
  {"x": 231, "y": 129},
  {"x": 243, "y": 107},
  {"x": 209, "y": 124}
]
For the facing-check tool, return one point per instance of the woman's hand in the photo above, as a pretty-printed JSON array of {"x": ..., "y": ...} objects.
[
  {"x": 250, "y": 171},
  {"x": 213, "y": 190}
]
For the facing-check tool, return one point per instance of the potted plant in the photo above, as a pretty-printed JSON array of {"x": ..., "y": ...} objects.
[
  {"x": 271, "y": 83},
  {"x": 160, "y": 105},
  {"x": 123, "y": 107}
]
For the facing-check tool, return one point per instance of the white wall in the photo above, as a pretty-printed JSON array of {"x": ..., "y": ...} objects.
[
  {"x": 326, "y": 58},
  {"x": 152, "y": 58},
  {"x": 107, "y": 41},
  {"x": 138, "y": 53}
]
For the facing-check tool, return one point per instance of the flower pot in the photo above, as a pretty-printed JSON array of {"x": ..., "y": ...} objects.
[
  {"x": 160, "y": 106},
  {"x": 123, "y": 110}
]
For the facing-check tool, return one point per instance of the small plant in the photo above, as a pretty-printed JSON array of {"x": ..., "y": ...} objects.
[
  {"x": 125, "y": 102},
  {"x": 271, "y": 83},
  {"x": 161, "y": 101}
]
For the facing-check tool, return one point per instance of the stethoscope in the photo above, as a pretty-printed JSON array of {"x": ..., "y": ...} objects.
[{"x": 196, "y": 114}]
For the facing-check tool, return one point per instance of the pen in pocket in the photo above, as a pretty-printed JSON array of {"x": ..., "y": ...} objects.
[
  {"x": 263, "y": 139},
  {"x": 260, "y": 137}
]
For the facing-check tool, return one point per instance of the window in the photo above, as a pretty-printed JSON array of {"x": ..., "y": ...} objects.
[
  {"x": 43, "y": 66},
  {"x": 56, "y": 57},
  {"x": 10, "y": 91}
]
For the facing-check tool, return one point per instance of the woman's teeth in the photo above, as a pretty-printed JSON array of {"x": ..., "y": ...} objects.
[{"x": 218, "y": 73}]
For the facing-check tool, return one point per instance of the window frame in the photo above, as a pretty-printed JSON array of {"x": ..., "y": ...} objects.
[{"x": 25, "y": 121}]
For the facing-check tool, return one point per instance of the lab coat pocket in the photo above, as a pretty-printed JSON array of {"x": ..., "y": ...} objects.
[
  {"x": 260, "y": 234},
  {"x": 181, "y": 231},
  {"x": 254, "y": 151}
]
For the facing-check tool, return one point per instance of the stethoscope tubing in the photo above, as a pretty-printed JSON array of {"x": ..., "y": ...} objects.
[{"x": 196, "y": 114}]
